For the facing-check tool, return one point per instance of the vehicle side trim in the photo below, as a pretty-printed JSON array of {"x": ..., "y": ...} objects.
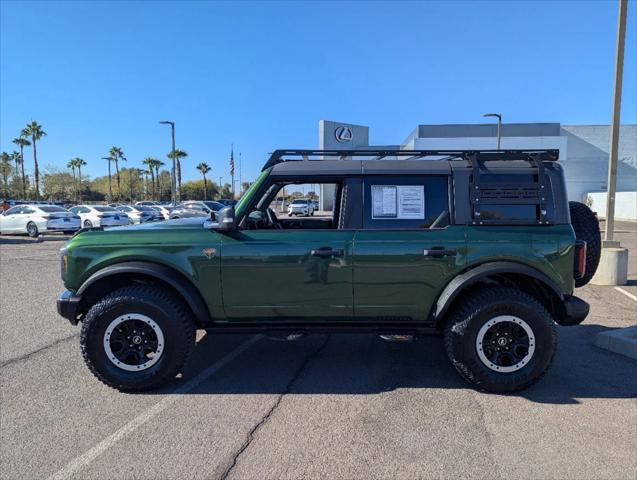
[
  {"x": 460, "y": 282},
  {"x": 166, "y": 274}
]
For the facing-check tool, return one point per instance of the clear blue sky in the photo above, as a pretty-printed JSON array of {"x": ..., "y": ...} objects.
[{"x": 263, "y": 74}]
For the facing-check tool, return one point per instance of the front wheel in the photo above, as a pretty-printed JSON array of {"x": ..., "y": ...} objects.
[
  {"x": 137, "y": 338},
  {"x": 500, "y": 339}
]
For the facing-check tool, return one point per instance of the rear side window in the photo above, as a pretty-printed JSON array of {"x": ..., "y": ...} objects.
[{"x": 394, "y": 202}]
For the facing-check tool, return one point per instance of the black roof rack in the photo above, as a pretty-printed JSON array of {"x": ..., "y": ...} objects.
[{"x": 280, "y": 156}]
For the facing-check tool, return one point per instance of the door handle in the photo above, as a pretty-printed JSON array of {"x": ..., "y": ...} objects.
[
  {"x": 327, "y": 253},
  {"x": 440, "y": 252}
]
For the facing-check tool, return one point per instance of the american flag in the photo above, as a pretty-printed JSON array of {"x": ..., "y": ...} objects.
[{"x": 232, "y": 160}]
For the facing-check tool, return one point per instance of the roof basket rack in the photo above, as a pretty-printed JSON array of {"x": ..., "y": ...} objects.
[
  {"x": 510, "y": 193},
  {"x": 280, "y": 156}
]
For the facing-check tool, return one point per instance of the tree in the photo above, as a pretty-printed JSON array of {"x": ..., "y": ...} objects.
[
  {"x": 116, "y": 154},
  {"x": 204, "y": 168},
  {"x": 34, "y": 130},
  {"x": 79, "y": 163},
  {"x": 178, "y": 155},
  {"x": 151, "y": 162},
  {"x": 22, "y": 142},
  {"x": 110, "y": 180},
  {"x": 5, "y": 168},
  {"x": 72, "y": 165},
  {"x": 312, "y": 195},
  {"x": 158, "y": 164},
  {"x": 17, "y": 159}
]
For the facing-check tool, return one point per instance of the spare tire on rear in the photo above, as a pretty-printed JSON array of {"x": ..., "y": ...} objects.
[{"x": 586, "y": 228}]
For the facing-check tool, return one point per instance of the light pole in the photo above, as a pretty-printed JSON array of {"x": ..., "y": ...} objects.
[
  {"x": 173, "y": 178},
  {"x": 499, "y": 115}
]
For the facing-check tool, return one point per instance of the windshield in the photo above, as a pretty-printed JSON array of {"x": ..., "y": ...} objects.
[
  {"x": 245, "y": 198},
  {"x": 52, "y": 209},
  {"x": 105, "y": 209},
  {"x": 297, "y": 201},
  {"x": 215, "y": 206},
  {"x": 143, "y": 208}
]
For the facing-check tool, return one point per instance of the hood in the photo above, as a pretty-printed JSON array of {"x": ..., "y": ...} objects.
[{"x": 178, "y": 223}]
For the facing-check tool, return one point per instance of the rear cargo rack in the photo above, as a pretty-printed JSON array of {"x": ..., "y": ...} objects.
[{"x": 482, "y": 193}]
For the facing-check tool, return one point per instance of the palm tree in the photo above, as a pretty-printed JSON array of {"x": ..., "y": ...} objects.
[
  {"x": 5, "y": 166},
  {"x": 110, "y": 181},
  {"x": 158, "y": 164},
  {"x": 116, "y": 154},
  {"x": 178, "y": 154},
  {"x": 72, "y": 166},
  {"x": 22, "y": 142},
  {"x": 34, "y": 130},
  {"x": 150, "y": 163},
  {"x": 15, "y": 156},
  {"x": 204, "y": 168},
  {"x": 79, "y": 163},
  {"x": 145, "y": 174}
]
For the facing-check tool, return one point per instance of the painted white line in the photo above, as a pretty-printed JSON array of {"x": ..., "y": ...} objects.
[
  {"x": 628, "y": 294},
  {"x": 87, "y": 457},
  {"x": 57, "y": 252}
]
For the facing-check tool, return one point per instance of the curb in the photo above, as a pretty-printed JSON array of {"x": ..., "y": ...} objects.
[{"x": 620, "y": 340}]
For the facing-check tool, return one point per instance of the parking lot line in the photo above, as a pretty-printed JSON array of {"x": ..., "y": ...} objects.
[
  {"x": 628, "y": 294},
  {"x": 87, "y": 457},
  {"x": 32, "y": 256}
]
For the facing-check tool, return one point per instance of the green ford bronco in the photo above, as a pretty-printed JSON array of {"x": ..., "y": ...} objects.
[{"x": 481, "y": 246}]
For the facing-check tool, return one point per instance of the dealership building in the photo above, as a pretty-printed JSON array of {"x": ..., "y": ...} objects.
[{"x": 583, "y": 149}]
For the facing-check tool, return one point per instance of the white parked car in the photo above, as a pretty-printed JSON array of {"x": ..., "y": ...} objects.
[
  {"x": 301, "y": 206},
  {"x": 34, "y": 219},
  {"x": 100, "y": 216}
]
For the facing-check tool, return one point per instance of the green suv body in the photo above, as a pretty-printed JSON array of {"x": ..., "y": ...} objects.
[{"x": 478, "y": 245}]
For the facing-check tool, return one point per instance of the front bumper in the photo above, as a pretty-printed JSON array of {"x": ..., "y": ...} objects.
[
  {"x": 576, "y": 310},
  {"x": 68, "y": 306}
]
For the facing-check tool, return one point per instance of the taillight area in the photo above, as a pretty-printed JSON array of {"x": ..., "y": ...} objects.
[{"x": 579, "y": 267}]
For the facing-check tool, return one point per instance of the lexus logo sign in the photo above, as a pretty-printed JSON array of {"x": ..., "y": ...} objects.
[{"x": 343, "y": 134}]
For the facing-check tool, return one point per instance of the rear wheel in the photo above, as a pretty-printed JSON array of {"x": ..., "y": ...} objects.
[
  {"x": 32, "y": 230},
  {"x": 88, "y": 224},
  {"x": 586, "y": 228},
  {"x": 137, "y": 338},
  {"x": 500, "y": 339}
]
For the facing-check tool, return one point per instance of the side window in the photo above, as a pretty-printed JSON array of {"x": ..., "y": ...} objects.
[
  {"x": 13, "y": 210},
  {"x": 27, "y": 210},
  {"x": 411, "y": 202}
]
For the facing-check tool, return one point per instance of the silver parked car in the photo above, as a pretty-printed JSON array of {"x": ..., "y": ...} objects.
[
  {"x": 33, "y": 219},
  {"x": 196, "y": 209},
  {"x": 139, "y": 213},
  {"x": 301, "y": 206},
  {"x": 100, "y": 216}
]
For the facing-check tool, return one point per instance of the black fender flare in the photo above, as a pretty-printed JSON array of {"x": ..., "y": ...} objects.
[
  {"x": 161, "y": 272},
  {"x": 474, "y": 275}
]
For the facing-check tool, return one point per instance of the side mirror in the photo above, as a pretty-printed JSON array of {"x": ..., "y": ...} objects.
[{"x": 225, "y": 218}]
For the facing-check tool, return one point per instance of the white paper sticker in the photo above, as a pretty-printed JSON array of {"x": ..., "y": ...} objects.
[
  {"x": 411, "y": 201},
  {"x": 398, "y": 202},
  {"x": 384, "y": 201}
]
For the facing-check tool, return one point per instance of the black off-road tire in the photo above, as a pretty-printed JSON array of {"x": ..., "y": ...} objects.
[
  {"x": 586, "y": 228},
  {"x": 164, "y": 309},
  {"x": 467, "y": 318}
]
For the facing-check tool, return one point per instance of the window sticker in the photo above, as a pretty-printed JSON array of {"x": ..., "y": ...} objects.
[
  {"x": 411, "y": 202},
  {"x": 384, "y": 201},
  {"x": 406, "y": 202}
]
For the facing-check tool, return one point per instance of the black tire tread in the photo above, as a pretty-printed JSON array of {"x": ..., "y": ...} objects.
[
  {"x": 463, "y": 313},
  {"x": 586, "y": 228},
  {"x": 157, "y": 296}
]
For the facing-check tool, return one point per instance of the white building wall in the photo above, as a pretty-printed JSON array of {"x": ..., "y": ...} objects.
[{"x": 625, "y": 205}]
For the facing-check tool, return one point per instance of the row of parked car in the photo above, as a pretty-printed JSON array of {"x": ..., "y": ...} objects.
[{"x": 35, "y": 218}]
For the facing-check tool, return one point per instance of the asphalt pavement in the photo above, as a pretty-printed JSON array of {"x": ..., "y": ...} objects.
[{"x": 326, "y": 406}]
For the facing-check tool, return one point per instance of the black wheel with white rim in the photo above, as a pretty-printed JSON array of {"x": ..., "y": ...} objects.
[
  {"x": 32, "y": 230},
  {"x": 137, "y": 338},
  {"x": 500, "y": 339},
  {"x": 88, "y": 224}
]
